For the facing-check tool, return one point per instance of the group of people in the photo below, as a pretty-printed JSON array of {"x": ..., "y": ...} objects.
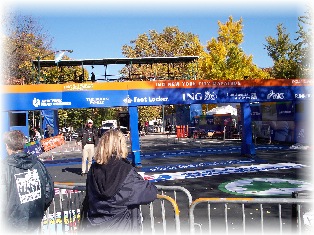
[
  {"x": 34, "y": 134},
  {"x": 114, "y": 189}
]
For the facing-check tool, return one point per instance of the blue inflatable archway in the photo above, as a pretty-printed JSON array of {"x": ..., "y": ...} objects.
[{"x": 163, "y": 92}]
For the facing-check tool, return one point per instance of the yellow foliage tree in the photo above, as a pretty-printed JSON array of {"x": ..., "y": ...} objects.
[{"x": 225, "y": 59}]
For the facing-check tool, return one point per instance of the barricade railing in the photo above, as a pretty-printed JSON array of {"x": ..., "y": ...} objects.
[
  {"x": 63, "y": 215},
  {"x": 243, "y": 207},
  {"x": 176, "y": 211},
  {"x": 175, "y": 190}
]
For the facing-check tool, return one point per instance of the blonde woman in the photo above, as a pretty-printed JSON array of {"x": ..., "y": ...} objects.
[{"x": 114, "y": 189}]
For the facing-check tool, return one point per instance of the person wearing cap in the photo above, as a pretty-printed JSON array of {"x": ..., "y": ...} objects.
[{"x": 88, "y": 138}]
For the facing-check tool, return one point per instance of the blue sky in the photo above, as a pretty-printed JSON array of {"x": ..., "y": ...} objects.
[{"x": 95, "y": 30}]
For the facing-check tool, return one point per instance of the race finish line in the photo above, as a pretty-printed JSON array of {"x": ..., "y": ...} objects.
[{"x": 133, "y": 94}]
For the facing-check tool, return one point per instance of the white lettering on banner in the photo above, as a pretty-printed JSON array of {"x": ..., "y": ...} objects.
[
  {"x": 204, "y": 83},
  {"x": 160, "y": 84},
  {"x": 302, "y": 96},
  {"x": 151, "y": 99},
  {"x": 192, "y": 96},
  {"x": 302, "y": 81},
  {"x": 226, "y": 83},
  {"x": 139, "y": 100},
  {"x": 245, "y": 96},
  {"x": 277, "y": 96},
  {"x": 49, "y": 102},
  {"x": 173, "y": 84},
  {"x": 198, "y": 96},
  {"x": 78, "y": 87},
  {"x": 145, "y": 99},
  {"x": 97, "y": 100},
  {"x": 188, "y": 84}
]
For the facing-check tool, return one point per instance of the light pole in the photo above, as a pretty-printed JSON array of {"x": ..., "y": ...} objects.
[{"x": 58, "y": 56}]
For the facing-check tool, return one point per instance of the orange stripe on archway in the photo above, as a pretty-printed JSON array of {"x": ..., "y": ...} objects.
[{"x": 161, "y": 84}]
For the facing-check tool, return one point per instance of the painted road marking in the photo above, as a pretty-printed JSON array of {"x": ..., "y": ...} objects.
[
  {"x": 200, "y": 165},
  {"x": 220, "y": 171},
  {"x": 264, "y": 186}
]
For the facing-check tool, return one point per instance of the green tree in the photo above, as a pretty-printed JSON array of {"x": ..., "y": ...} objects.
[
  {"x": 77, "y": 118},
  {"x": 225, "y": 59},
  {"x": 292, "y": 59},
  {"x": 283, "y": 53},
  {"x": 170, "y": 42},
  {"x": 304, "y": 44},
  {"x": 148, "y": 113}
]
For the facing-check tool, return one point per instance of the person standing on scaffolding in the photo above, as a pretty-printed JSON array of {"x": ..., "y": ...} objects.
[{"x": 88, "y": 138}]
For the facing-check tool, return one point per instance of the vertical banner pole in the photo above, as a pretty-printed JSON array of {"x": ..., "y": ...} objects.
[
  {"x": 247, "y": 147},
  {"x": 134, "y": 135}
]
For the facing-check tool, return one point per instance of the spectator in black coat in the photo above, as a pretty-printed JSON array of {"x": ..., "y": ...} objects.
[
  {"x": 114, "y": 189},
  {"x": 28, "y": 187}
]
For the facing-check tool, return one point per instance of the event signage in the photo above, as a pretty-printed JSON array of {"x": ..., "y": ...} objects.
[{"x": 137, "y": 93}]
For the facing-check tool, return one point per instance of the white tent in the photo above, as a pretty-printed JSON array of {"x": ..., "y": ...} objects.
[{"x": 223, "y": 110}]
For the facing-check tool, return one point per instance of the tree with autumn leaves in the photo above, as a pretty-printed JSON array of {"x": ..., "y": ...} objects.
[
  {"x": 224, "y": 58},
  {"x": 26, "y": 41}
]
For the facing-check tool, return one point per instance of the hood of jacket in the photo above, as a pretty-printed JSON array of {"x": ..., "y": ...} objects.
[
  {"x": 21, "y": 160},
  {"x": 107, "y": 179}
]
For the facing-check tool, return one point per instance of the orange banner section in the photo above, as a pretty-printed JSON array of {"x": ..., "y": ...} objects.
[
  {"x": 161, "y": 84},
  {"x": 88, "y": 86},
  {"x": 52, "y": 142}
]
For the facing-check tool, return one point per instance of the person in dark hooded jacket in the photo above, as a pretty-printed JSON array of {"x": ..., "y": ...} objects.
[
  {"x": 28, "y": 187},
  {"x": 114, "y": 189}
]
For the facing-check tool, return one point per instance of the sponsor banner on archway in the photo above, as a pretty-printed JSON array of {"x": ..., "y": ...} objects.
[{"x": 112, "y": 94}]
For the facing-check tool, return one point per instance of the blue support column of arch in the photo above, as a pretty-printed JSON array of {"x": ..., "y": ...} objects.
[
  {"x": 134, "y": 136},
  {"x": 247, "y": 147}
]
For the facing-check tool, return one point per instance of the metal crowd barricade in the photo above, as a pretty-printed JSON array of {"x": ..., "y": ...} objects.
[
  {"x": 241, "y": 205},
  {"x": 163, "y": 217},
  {"x": 175, "y": 190},
  {"x": 180, "y": 200},
  {"x": 63, "y": 215}
]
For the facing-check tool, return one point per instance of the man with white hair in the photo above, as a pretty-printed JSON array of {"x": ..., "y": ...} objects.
[{"x": 88, "y": 138}]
